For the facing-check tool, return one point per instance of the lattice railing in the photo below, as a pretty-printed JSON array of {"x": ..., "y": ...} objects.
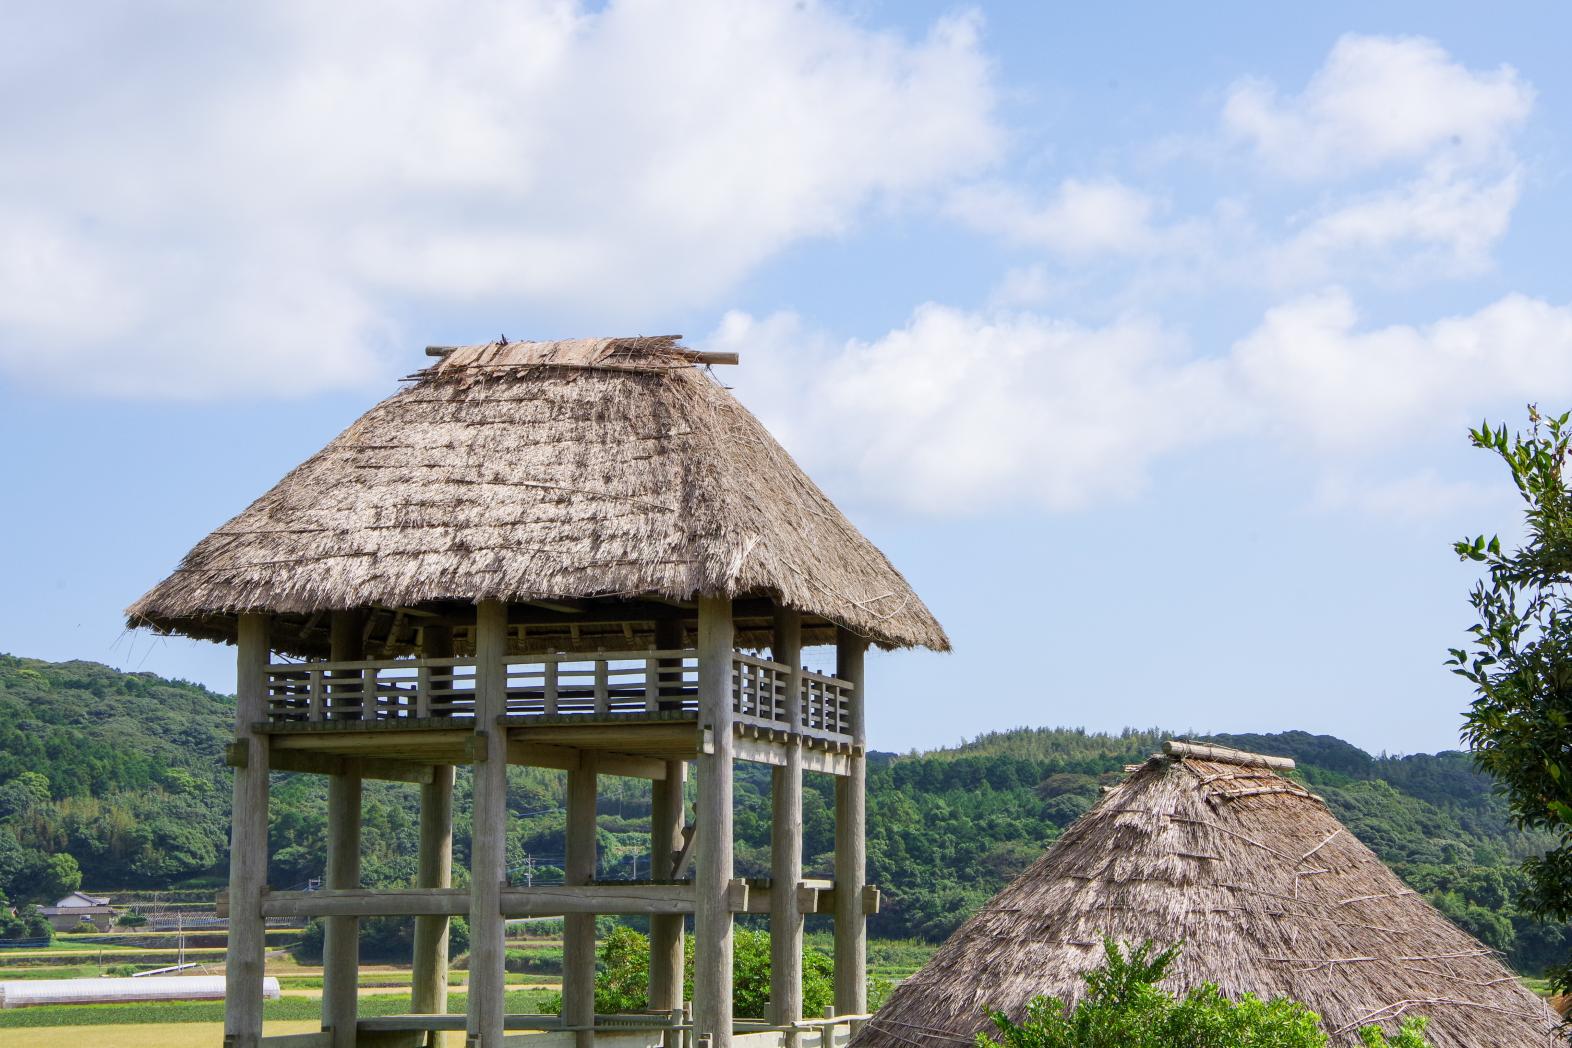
[{"x": 603, "y": 684}]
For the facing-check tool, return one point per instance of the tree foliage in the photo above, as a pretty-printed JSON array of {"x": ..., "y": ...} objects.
[
  {"x": 1125, "y": 1008},
  {"x": 623, "y": 971},
  {"x": 124, "y": 775},
  {"x": 1519, "y": 658}
]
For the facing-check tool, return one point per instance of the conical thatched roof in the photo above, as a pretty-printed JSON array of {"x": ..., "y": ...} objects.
[
  {"x": 1269, "y": 895},
  {"x": 544, "y": 471}
]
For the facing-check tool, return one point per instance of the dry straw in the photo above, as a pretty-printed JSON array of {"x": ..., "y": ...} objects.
[
  {"x": 528, "y": 471},
  {"x": 1269, "y": 894}
]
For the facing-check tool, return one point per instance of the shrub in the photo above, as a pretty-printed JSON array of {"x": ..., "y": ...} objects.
[
  {"x": 131, "y": 919},
  {"x": 1124, "y": 1008},
  {"x": 622, "y": 975}
]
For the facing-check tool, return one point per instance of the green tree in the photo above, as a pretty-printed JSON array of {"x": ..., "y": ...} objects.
[
  {"x": 1124, "y": 1008},
  {"x": 623, "y": 971},
  {"x": 1520, "y": 657}
]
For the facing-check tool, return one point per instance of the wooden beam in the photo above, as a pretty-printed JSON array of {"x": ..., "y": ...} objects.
[
  {"x": 570, "y": 758},
  {"x": 370, "y": 767},
  {"x": 367, "y": 902},
  {"x": 562, "y": 899},
  {"x": 763, "y": 751}
]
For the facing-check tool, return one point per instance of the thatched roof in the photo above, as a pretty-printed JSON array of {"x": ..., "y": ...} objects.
[
  {"x": 593, "y": 469},
  {"x": 1267, "y": 891}
]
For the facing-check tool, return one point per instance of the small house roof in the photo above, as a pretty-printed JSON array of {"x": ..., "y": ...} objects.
[
  {"x": 613, "y": 468},
  {"x": 1267, "y": 892},
  {"x": 83, "y": 899}
]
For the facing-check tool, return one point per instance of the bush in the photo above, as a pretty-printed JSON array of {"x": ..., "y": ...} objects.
[
  {"x": 131, "y": 919},
  {"x": 1124, "y": 1008},
  {"x": 623, "y": 971},
  {"x": 25, "y": 923}
]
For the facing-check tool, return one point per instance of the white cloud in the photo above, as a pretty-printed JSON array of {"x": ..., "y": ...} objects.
[
  {"x": 216, "y": 186},
  {"x": 1431, "y": 140},
  {"x": 1429, "y": 227},
  {"x": 959, "y": 412},
  {"x": 1379, "y": 100},
  {"x": 1078, "y": 218},
  {"x": 1320, "y": 381}
]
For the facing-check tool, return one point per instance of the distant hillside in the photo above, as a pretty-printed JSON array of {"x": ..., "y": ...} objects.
[{"x": 125, "y": 774}]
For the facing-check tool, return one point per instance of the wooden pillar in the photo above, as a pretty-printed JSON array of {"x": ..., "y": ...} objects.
[
  {"x": 429, "y": 981},
  {"x": 578, "y": 929},
  {"x": 666, "y": 930},
  {"x": 786, "y": 838},
  {"x": 488, "y": 863},
  {"x": 341, "y": 935},
  {"x": 851, "y": 841},
  {"x": 244, "y": 961},
  {"x": 712, "y": 925},
  {"x": 666, "y": 819}
]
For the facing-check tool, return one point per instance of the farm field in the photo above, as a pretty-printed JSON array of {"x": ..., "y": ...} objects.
[{"x": 147, "y": 1035}]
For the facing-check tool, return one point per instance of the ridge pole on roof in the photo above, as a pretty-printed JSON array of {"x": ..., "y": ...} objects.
[
  {"x": 712, "y": 925},
  {"x": 243, "y": 963}
]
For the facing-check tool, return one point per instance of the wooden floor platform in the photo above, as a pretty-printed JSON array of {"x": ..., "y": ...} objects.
[{"x": 637, "y": 744}]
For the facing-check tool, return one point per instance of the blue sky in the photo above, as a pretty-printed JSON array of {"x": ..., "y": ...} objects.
[{"x": 1143, "y": 341}]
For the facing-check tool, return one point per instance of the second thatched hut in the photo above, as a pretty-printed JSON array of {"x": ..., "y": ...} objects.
[{"x": 1268, "y": 892}]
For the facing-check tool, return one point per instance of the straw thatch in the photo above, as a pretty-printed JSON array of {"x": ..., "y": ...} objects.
[
  {"x": 544, "y": 472},
  {"x": 1269, "y": 894}
]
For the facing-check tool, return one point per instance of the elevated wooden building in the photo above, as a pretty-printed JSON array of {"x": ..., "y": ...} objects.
[{"x": 569, "y": 555}]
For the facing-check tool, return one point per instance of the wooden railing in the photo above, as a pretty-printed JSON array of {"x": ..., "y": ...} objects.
[
  {"x": 759, "y": 690},
  {"x": 602, "y": 684}
]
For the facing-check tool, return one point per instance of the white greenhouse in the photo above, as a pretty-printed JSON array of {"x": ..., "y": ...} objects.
[{"x": 114, "y": 991}]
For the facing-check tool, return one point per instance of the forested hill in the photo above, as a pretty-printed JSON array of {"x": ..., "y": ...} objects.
[{"x": 124, "y": 774}]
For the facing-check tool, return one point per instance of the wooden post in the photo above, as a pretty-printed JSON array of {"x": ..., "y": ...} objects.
[
  {"x": 578, "y": 929},
  {"x": 851, "y": 841},
  {"x": 786, "y": 838},
  {"x": 245, "y": 959},
  {"x": 712, "y": 925},
  {"x": 488, "y": 863},
  {"x": 666, "y": 819},
  {"x": 341, "y": 935},
  {"x": 666, "y": 931},
  {"x": 429, "y": 981}
]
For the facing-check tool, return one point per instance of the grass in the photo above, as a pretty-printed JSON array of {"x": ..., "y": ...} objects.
[
  {"x": 288, "y": 1009},
  {"x": 145, "y": 1035}
]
